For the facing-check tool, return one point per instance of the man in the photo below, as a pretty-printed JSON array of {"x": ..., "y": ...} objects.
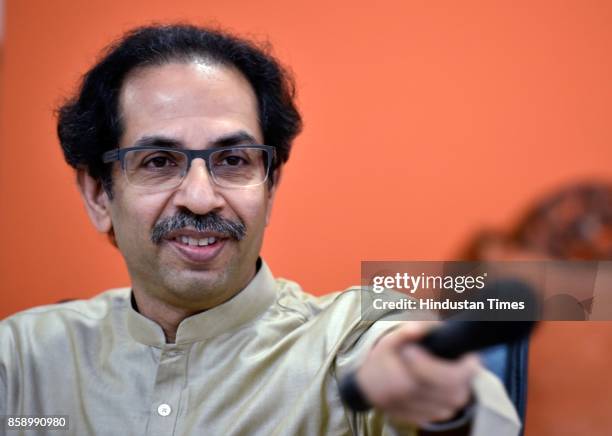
[{"x": 166, "y": 137}]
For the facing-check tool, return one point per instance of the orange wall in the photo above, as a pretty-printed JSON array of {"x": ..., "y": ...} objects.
[
  {"x": 423, "y": 122},
  {"x": 570, "y": 387}
]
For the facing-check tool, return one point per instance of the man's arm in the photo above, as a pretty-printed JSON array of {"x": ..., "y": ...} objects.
[
  {"x": 413, "y": 388},
  {"x": 3, "y": 390},
  {"x": 5, "y": 353},
  {"x": 410, "y": 385}
]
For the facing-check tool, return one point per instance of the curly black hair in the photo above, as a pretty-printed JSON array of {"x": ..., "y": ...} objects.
[{"x": 89, "y": 123}]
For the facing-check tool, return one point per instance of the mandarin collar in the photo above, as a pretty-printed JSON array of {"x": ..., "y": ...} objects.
[{"x": 243, "y": 307}]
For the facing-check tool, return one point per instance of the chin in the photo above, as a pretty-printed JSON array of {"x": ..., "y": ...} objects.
[{"x": 199, "y": 287}]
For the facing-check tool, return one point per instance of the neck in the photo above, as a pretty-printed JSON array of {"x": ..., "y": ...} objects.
[{"x": 167, "y": 316}]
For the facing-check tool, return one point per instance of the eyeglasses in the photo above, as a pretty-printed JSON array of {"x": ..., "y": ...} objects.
[{"x": 161, "y": 168}]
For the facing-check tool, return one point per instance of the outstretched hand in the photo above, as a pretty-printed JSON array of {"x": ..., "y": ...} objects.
[{"x": 412, "y": 386}]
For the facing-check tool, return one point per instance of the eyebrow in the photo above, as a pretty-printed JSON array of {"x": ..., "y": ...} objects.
[
  {"x": 236, "y": 138},
  {"x": 158, "y": 141},
  {"x": 229, "y": 140}
]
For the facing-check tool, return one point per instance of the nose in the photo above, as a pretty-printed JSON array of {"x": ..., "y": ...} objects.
[{"x": 197, "y": 191}]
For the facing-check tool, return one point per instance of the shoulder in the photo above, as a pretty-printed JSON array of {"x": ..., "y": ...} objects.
[
  {"x": 339, "y": 318},
  {"x": 291, "y": 297},
  {"x": 43, "y": 322}
]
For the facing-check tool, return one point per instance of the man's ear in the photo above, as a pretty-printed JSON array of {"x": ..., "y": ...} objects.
[
  {"x": 96, "y": 201},
  {"x": 272, "y": 192}
]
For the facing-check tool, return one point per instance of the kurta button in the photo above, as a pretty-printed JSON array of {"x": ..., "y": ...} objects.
[{"x": 164, "y": 410}]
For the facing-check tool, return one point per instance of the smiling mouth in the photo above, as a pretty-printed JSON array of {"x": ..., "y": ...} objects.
[
  {"x": 197, "y": 250},
  {"x": 195, "y": 242}
]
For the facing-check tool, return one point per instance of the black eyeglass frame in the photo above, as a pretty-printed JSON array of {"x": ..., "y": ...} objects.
[{"x": 118, "y": 154}]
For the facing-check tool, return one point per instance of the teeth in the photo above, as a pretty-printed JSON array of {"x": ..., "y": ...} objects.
[{"x": 187, "y": 240}]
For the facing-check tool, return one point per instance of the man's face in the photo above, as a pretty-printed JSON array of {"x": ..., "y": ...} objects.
[{"x": 197, "y": 105}]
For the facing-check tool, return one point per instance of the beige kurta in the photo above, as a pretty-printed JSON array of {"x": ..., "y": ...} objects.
[{"x": 266, "y": 362}]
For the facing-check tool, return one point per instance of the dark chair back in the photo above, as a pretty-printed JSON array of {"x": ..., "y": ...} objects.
[{"x": 510, "y": 362}]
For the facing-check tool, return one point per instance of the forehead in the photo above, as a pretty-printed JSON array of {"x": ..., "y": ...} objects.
[{"x": 190, "y": 101}]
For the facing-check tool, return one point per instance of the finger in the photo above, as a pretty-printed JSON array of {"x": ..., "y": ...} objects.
[
  {"x": 409, "y": 394},
  {"x": 430, "y": 408},
  {"x": 435, "y": 372},
  {"x": 420, "y": 413},
  {"x": 383, "y": 378},
  {"x": 425, "y": 398},
  {"x": 409, "y": 331},
  {"x": 453, "y": 398},
  {"x": 448, "y": 384}
]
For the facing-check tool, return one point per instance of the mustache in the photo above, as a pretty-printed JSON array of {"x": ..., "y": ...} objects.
[{"x": 211, "y": 222}]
